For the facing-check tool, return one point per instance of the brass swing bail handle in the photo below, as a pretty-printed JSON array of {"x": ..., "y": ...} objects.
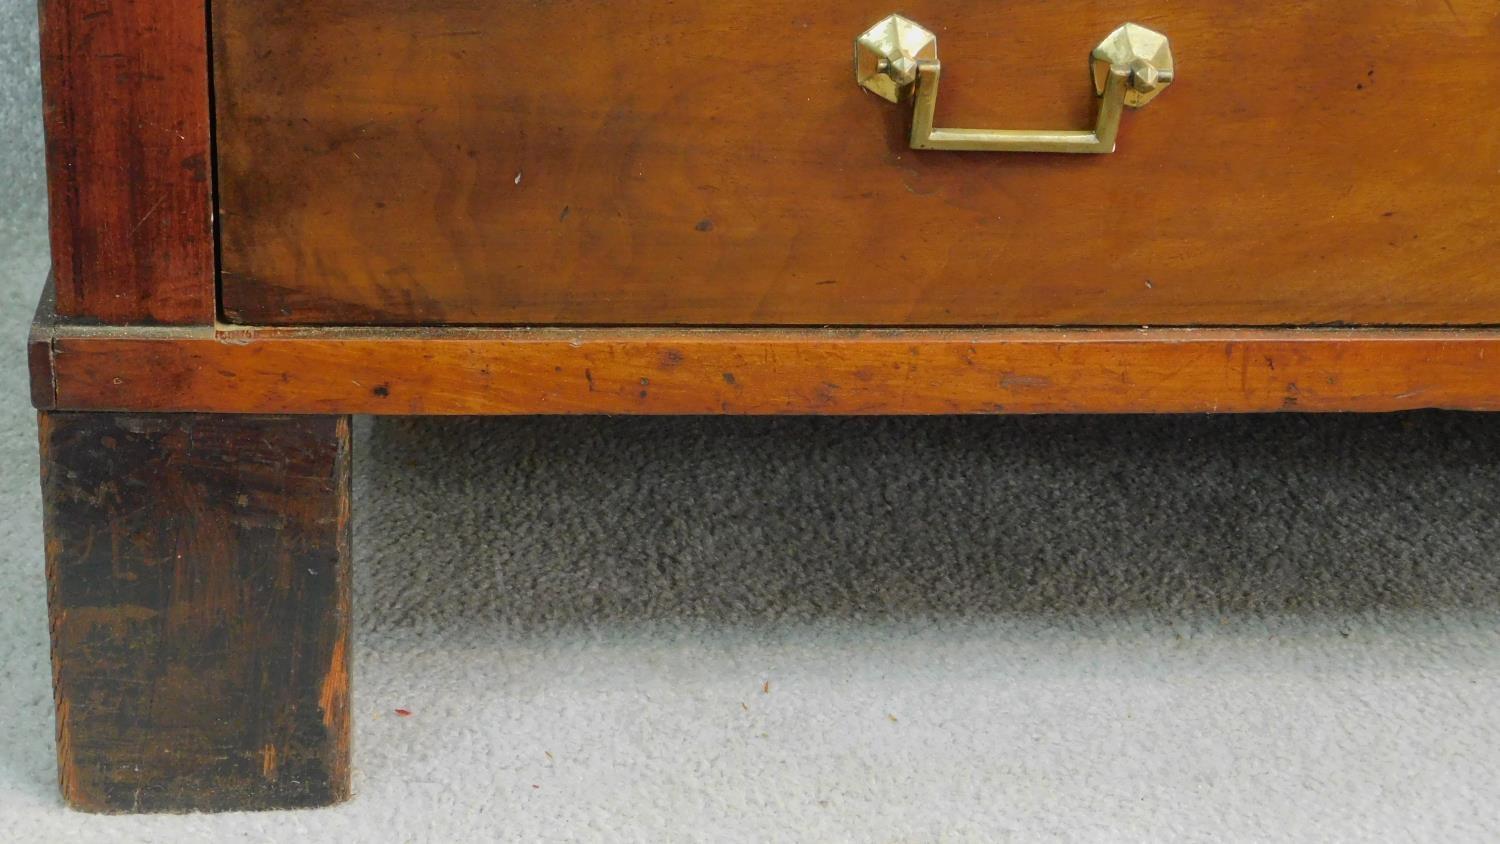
[{"x": 897, "y": 57}]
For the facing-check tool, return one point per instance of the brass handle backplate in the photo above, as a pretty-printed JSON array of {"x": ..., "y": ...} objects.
[{"x": 897, "y": 58}]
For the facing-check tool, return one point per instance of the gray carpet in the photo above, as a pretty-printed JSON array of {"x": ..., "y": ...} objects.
[{"x": 1098, "y": 629}]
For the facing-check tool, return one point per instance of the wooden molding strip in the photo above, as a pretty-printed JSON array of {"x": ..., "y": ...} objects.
[
  {"x": 125, "y": 91},
  {"x": 458, "y": 371}
]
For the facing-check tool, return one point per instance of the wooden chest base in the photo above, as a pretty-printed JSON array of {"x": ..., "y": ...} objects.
[{"x": 198, "y": 553}]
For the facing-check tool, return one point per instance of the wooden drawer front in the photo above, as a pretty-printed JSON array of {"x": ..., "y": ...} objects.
[{"x": 710, "y": 162}]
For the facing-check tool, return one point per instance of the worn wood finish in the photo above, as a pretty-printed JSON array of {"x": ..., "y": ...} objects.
[
  {"x": 1316, "y": 161},
  {"x": 777, "y": 371},
  {"x": 39, "y": 350},
  {"x": 126, "y": 91},
  {"x": 198, "y": 571},
  {"x": 39, "y": 363}
]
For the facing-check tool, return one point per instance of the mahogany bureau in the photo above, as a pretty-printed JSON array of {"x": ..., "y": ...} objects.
[{"x": 268, "y": 215}]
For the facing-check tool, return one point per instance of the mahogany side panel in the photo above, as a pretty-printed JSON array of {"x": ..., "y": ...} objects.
[
  {"x": 779, "y": 371},
  {"x": 126, "y": 94},
  {"x": 199, "y": 587}
]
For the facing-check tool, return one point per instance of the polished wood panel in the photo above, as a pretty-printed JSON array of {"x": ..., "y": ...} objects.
[
  {"x": 776, "y": 371},
  {"x": 450, "y": 161},
  {"x": 198, "y": 577},
  {"x": 126, "y": 90}
]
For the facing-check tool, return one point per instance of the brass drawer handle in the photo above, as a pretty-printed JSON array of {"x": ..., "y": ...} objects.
[{"x": 896, "y": 56}]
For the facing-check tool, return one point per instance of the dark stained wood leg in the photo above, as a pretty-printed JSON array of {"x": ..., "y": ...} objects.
[{"x": 198, "y": 570}]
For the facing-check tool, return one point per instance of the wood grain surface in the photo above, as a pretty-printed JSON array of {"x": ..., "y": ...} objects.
[
  {"x": 126, "y": 90},
  {"x": 775, "y": 371},
  {"x": 198, "y": 577},
  {"x": 694, "y": 162}
]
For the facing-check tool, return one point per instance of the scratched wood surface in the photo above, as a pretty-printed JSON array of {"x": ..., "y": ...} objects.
[
  {"x": 695, "y": 162},
  {"x": 125, "y": 91},
  {"x": 777, "y": 371},
  {"x": 198, "y": 575}
]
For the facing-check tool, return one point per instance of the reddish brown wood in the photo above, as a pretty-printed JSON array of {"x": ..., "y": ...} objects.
[
  {"x": 771, "y": 371},
  {"x": 126, "y": 91},
  {"x": 703, "y": 162},
  {"x": 39, "y": 351},
  {"x": 198, "y": 573},
  {"x": 39, "y": 362}
]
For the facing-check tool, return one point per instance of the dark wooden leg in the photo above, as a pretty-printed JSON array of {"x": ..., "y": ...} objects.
[{"x": 198, "y": 570}]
